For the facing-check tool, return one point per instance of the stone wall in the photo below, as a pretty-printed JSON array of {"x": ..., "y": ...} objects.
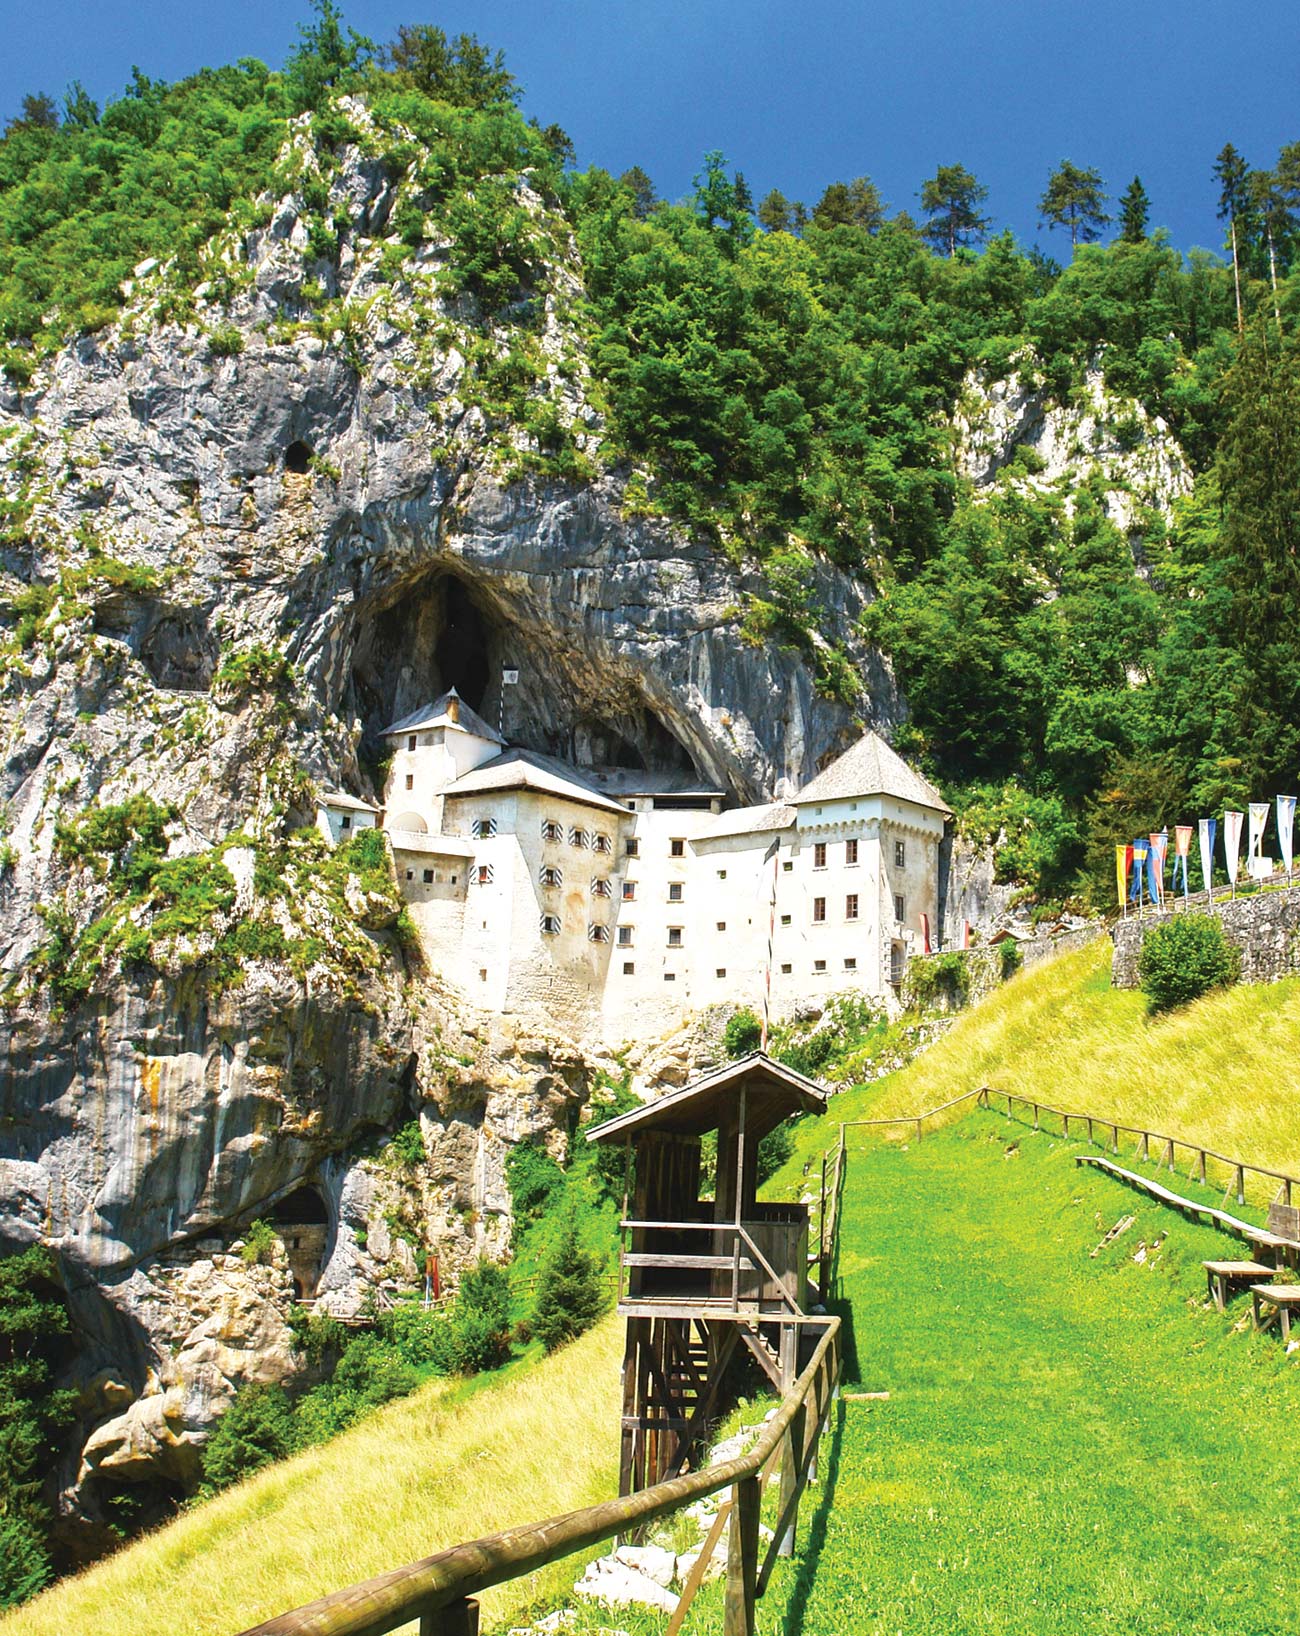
[
  {"x": 1265, "y": 926},
  {"x": 984, "y": 963}
]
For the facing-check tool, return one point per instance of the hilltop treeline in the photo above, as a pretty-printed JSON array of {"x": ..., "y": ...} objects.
[{"x": 786, "y": 378}]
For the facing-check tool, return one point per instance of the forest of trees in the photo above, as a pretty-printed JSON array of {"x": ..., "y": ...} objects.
[{"x": 787, "y": 374}]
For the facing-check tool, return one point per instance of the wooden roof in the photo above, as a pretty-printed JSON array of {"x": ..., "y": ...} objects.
[{"x": 773, "y": 1093}]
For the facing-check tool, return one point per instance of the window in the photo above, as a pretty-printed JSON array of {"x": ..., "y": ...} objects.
[
  {"x": 601, "y": 889},
  {"x": 632, "y": 847},
  {"x": 786, "y": 970},
  {"x": 670, "y": 977},
  {"x": 819, "y": 911},
  {"x": 851, "y": 906},
  {"x": 482, "y": 974},
  {"x": 819, "y": 965},
  {"x": 720, "y": 972},
  {"x": 850, "y": 852},
  {"x": 722, "y": 874},
  {"x": 482, "y": 874},
  {"x": 483, "y": 829},
  {"x": 551, "y": 831},
  {"x": 428, "y": 877},
  {"x": 577, "y": 837},
  {"x": 410, "y": 874},
  {"x": 625, "y": 936},
  {"x": 345, "y": 822},
  {"x": 786, "y": 867},
  {"x": 629, "y": 968},
  {"x": 629, "y": 891},
  {"x": 549, "y": 875},
  {"x": 602, "y": 844},
  {"x": 675, "y": 891},
  {"x": 410, "y": 781},
  {"x": 410, "y": 743},
  {"x": 677, "y": 849},
  {"x": 722, "y": 925},
  {"x": 900, "y": 907},
  {"x": 850, "y": 964},
  {"x": 900, "y": 857},
  {"x": 455, "y": 879},
  {"x": 549, "y": 925},
  {"x": 785, "y": 920},
  {"x": 819, "y": 855},
  {"x": 597, "y": 934},
  {"x": 674, "y": 937}
]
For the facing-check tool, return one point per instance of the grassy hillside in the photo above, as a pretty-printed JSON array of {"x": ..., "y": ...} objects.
[
  {"x": 1220, "y": 1071},
  {"x": 450, "y": 1463}
]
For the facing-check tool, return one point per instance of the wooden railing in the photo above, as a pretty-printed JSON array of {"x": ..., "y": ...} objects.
[
  {"x": 440, "y": 1590},
  {"x": 744, "y": 1257}
]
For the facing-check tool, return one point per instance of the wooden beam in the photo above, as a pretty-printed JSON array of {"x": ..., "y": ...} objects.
[{"x": 742, "y": 1559}]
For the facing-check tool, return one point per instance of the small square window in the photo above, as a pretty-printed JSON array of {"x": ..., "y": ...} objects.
[
  {"x": 484, "y": 828},
  {"x": 345, "y": 822},
  {"x": 674, "y": 937},
  {"x": 410, "y": 743},
  {"x": 482, "y": 974},
  {"x": 551, "y": 831},
  {"x": 629, "y": 891},
  {"x": 625, "y": 936},
  {"x": 632, "y": 847},
  {"x": 900, "y": 854},
  {"x": 428, "y": 877},
  {"x": 850, "y": 852},
  {"x": 410, "y": 874},
  {"x": 786, "y": 867},
  {"x": 786, "y": 970},
  {"x": 483, "y": 874},
  {"x": 597, "y": 934},
  {"x": 819, "y": 965},
  {"x": 675, "y": 891},
  {"x": 577, "y": 836},
  {"x": 722, "y": 874},
  {"x": 549, "y": 925},
  {"x": 677, "y": 849},
  {"x": 819, "y": 855},
  {"x": 900, "y": 907},
  {"x": 722, "y": 925},
  {"x": 455, "y": 880},
  {"x": 670, "y": 977},
  {"x": 601, "y": 888},
  {"x": 819, "y": 911},
  {"x": 629, "y": 968},
  {"x": 785, "y": 920},
  {"x": 600, "y": 843},
  {"x": 720, "y": 972},
  {"x": 851, "y": 906},
  {"x": 410, "y": 781},
  {"x": 850, "y": 963}
]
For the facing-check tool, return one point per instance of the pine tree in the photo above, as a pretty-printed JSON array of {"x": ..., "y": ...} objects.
[
  {"x": 1134, "y": 212},
  {"x": 569, "y": 1296},
  {"x": 642, "y": 189},
  {"x": 1232, "y": 174},
  {"x": 951, "y": 199},
  {"x": 1075, "y": 199},
  {"x": 850, "y": 204},
  {"x": 774, "y": 214}
]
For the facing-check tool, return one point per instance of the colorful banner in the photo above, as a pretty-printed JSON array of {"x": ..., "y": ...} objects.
[
  {"x": 1232, "y": 822},
  {"x": 1256, "y": 862},
  {"x": 1208, "y": 829},
  {"x": 1156, "y": 865},
  {"x": 1121, "y": 872},
  {"x": 1138, "y": 851},
  {"x": 1182, "y": 848},
  {"x": 1285, "y": 828}
]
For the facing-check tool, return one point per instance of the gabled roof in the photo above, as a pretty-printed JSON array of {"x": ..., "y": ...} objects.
[
  {"x": 448, "y": 710},
  {"x": 870, "y": 767},
  {"x": 349, "y": 803},
  {"x": 773, "y": 1093},
  {"x": 776, "y": 815},
  {"x": 526, "y": 770}
]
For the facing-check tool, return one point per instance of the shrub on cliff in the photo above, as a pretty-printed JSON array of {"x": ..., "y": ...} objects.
[
  {"x": 742, "y": 1034},
  {"x": 1185, "y": 958},
  {"x": 256, "y": 1429}
]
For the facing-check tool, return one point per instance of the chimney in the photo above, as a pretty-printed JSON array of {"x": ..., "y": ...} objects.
[{"x": 453, "y": 707}]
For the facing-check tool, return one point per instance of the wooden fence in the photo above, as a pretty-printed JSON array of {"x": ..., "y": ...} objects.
[{"x": 440, "y": 1590}]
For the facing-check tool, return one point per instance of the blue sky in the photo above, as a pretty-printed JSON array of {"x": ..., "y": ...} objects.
[{"x": 799, "y": 95}]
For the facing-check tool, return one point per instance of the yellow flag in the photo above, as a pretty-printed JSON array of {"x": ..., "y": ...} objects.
[{"x": 1121, "y": 871}]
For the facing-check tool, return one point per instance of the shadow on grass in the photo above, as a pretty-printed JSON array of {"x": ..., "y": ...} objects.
[{"x": 806, "y": 1573}]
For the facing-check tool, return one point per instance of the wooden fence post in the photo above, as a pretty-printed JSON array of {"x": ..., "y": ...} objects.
[
  {"x": 1035, "y": 1116},
  {"x": 1169, "y": 1152},
  {"x": 1146, "y": 1146},
  {"x": 1202, "y": 1166},
  {"x": 1241, "y": 1184},
  {"x": 791, "y": 1461},
  {"x": 456, "y": 1619},
  {"x": 742, "y": 1558}
]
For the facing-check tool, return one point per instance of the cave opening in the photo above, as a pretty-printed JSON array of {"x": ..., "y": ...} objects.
[
  {"x": 302, "y": 1223},
  {"x": 303, "y": 1207},
  {"x": 461, "y": 651},
  {"x": 297, "y": 458}
]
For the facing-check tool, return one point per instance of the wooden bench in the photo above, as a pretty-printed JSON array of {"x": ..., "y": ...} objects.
[
  {"x": 1222, "y": 1275},
  {"x": 1282, "y": 1297}
]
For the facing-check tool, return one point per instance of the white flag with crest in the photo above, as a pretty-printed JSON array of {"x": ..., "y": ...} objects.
[{"x": 1232, "y": 822}]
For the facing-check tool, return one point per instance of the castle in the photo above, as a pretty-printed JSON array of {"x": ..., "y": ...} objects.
[{"x": 620, "y": 901}]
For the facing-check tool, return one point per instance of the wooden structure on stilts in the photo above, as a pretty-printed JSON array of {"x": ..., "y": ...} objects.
[{"x": 702, "y": 1277}]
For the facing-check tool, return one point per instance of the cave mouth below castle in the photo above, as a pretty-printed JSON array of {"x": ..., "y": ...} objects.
[{"x": 441, "y": 631}]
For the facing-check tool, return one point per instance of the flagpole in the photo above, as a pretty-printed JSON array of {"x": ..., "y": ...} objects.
[{"x": 771, "y": 936}]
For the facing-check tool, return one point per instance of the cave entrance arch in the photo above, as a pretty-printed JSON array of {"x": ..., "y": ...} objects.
[{"x": 301, "y": 1220}]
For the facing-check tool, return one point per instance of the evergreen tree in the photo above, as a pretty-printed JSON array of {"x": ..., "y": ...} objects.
[
  {"x": 853, "y": 204},
  {"x": 80, "y": 110},
  {"x": 642, "y": 190},
  {"x": 774, "y": 213},
  {"x": 1134, "y": 212},
  {"x": 1075, "y": 200},
  {"x": 1270, "y": 208},
  {"x": 569, "y": 1296},
  {"x": 719, "y": 203},
  {"x": 40, "y": 113},
  {"x": 798, "y": 216},
  {"x": 744, "y": 198},
  {"x": 951, "y": 199},
  {"x": 1232, "y": 174},
  {"x": 326, "y": 56},
  {"x": 460, "y": 71}
]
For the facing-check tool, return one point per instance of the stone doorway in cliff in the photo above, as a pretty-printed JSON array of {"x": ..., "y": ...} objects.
[{"x": 302, "y": 1223}]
